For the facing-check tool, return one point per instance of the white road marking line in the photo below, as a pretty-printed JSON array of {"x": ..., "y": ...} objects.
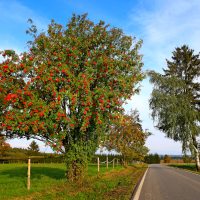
[{"x": 137, "y": 195}]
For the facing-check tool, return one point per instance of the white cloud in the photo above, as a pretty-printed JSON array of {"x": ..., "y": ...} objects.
[{"x": 169, "y": 25}]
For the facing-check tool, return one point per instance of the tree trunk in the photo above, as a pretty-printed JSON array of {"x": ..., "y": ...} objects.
[
  {"x": 74, "y": 164},
  {"x": 196, "y": 154},
  {"x": 125, "y": 162},
  {"x": 197, "y": 159},
  {"x": 75, "y": 171}
]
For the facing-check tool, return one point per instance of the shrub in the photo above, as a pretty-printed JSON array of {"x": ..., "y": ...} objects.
[
  {"x": 167, "y": 159},
  {"x": 187, "y": 159}
]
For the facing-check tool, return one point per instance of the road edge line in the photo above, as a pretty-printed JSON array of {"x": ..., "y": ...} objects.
[{"x": 138, "y": 188}]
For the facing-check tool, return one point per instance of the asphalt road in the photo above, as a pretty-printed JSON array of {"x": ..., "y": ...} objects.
[{"x": 162, "y": 182}]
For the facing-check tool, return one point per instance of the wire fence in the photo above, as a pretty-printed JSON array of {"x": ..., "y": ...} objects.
[
  {"x": 8, "y": 162},
  {"x": 23, "y": 162},
  {"x": 108, "y": 162}
]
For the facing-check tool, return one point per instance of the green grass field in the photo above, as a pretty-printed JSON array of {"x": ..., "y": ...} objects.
[
  {"x": 48, "y": 181},
  {"x": 187, "y": 167}
]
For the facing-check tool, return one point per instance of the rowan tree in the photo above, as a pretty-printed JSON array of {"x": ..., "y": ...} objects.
[
  {"x": 77, "y": 79},
  {"x": 4, "y": 147},
  {"x": 174, "y": 100},
  {"x": 126, "y": 137}
]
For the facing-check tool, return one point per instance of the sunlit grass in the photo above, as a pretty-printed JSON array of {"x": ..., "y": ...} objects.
[
  {"x": 48, "y": 181},
  {"x": 42, "y": 176},
  {"x": 187, "y": 167}
]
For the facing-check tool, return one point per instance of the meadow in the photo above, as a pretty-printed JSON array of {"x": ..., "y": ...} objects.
[
  {"x": 187, "y": 167},
  {"x": 48, "y": 182}
]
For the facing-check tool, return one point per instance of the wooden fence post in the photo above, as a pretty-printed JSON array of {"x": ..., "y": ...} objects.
[
  {"x": 113, "y": 162},
  {"x": 98, "y": 163},
  {"x": 29, "y": 165},
  {"x": 107, "y": 162}
]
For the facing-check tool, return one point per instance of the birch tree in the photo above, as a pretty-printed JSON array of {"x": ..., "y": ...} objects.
[{"x": 174, "y": 100}]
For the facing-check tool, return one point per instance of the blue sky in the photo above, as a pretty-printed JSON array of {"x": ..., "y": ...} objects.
[{"x": 162, "y": 25}]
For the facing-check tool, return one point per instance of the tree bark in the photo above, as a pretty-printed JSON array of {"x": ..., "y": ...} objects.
[
  {"x": 76, "y": 172},
  {"x": 194, "y": 144},
  {"x": 197, "y": 160},
  {"x": 125, "y": 162},
  {"x": 196, "y": 154}
]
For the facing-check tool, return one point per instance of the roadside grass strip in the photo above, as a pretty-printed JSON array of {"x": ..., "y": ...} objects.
[
  {"x": 185, "y": 167},
  {"x": 138, "y": 188},
  {"x": 48, "y": 182}
]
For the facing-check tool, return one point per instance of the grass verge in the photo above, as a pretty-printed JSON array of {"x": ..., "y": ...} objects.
[
  {"x": 48, "y": 182},
  {"x": 185, "y": 167}
]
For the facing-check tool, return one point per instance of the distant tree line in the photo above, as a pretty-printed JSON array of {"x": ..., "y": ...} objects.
[
  {"x": 152, "y": 159},
  {"x": 102, "y": 158},
  {"x": 177, "y": 157},
  {"x": 155, "y": 159},
  {"x": 34, "y": 150}
]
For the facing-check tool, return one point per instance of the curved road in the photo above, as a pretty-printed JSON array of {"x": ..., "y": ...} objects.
[{"x": 162, "y": 182}]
